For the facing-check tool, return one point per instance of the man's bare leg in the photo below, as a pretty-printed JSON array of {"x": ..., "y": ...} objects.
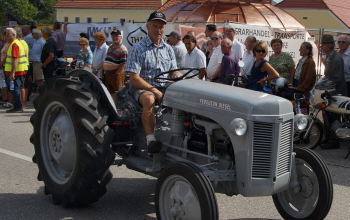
[{"x": 147, "y": 101}]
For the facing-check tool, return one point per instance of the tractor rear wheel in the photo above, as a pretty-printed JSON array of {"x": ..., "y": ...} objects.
[{"x": 72, "y": 142}]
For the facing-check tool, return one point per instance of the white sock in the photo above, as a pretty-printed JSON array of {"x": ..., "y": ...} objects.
[{"x": 150, "y": 138}]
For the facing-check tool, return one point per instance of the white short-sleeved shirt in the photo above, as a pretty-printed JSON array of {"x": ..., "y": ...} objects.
[
  {"x": 237, "y": 50},
  {"x": 346, "y": 58},
  {"x": 248, "y": 59},
  {"x": 215, "y": 61},
  {"x": 195, "y": 59}
]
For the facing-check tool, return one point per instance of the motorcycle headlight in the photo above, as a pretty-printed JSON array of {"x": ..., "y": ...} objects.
[
  {"x": 239, "y": 126},
  {"x": 300, "y": 121}
]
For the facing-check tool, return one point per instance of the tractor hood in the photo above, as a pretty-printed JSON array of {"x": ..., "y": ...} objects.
[{"x": 207, "y": 98}]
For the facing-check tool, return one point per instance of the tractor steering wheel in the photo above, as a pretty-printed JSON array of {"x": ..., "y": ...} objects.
[{"x": 161, "y": 79}]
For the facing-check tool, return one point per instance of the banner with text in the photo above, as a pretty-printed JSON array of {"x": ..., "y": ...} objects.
[
  {"x": 291, "y": 39},
  {"x": 133, "y": 33}
]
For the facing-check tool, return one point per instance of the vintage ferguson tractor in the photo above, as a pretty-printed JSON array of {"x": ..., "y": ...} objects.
[{"x": 215, "y": 139}]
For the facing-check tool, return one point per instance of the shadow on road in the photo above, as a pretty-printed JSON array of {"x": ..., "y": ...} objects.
[
  {"x": 338, "y": 166},
  {"x": 121, "y": 201},
  {"x": 20, "y": 122},
  {"x": 253, "y": 219},
  {"x": 25, "y": 113}
]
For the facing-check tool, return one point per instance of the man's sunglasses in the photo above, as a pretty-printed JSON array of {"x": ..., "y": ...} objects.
[
  {"x": 260, "y": 51},
  {"x": 341, "y": 42},
  {"x": 214, "y": 38}
]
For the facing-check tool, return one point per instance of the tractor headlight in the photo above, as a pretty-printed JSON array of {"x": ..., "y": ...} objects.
[
  {"x": 239, "y": 126},
  {"x": 301, "y": 121}
]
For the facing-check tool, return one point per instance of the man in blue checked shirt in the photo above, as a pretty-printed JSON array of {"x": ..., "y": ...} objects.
[{"x": 147, "y": 59}]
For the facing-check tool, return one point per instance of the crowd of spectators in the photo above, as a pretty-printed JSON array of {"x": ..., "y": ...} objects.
[{"x": 217, "y": 59}]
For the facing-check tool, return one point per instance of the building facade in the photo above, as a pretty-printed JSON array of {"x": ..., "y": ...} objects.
[
  {"x": 95, "y": 11},
  {"x": 315, "y": 14}
]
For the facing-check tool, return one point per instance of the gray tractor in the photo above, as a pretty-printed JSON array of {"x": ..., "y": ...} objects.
[{"x": 215, "y": 139}]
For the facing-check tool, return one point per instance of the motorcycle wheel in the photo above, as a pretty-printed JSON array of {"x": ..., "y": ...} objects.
[
  {"x": 312, "y": 140},
  {"x": 72, "y": 142},
  {"x": 313, "y": 197},
  {"x": 184, "y": 192}
]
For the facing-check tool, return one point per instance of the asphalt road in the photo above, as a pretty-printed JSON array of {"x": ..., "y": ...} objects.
[{"x": 130, "y": 194}]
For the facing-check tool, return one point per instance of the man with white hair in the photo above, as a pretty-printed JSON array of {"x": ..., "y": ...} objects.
[
  {"x": 34, "y": 57},
  {"x": 213, "y": 68},
  {"x": 15, "y": 69},
  {"x": 229, "y": 65},
  {"x": 343, "y": 43},
  {"x": 248, "y": 56},
  {"x": 114, "y": 64},
  {"x": 237, "y": 47}
]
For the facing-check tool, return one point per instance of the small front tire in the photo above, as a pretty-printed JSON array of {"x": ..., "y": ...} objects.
[
  {"x": 313, "y": 197},
  {"x": 184, "y": 192}
]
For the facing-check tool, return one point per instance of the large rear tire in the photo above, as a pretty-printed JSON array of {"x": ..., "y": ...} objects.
[
  {"x": 72, "y": 142},
  {"x": 184, "y": 192},
  {"x": 313, "y": 197}
]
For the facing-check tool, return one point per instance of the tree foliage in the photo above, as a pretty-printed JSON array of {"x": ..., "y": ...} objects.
[{"x": 27, "y": 11}]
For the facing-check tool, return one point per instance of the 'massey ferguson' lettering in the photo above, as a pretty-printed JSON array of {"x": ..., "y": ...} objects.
[{"x": 214, "y": 104}]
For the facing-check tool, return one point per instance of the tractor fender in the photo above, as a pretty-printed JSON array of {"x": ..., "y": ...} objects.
[{"x": 96, "y": 83}]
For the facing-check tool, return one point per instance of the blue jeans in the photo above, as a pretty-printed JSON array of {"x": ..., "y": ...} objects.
[{"x": 16, "y": 92}]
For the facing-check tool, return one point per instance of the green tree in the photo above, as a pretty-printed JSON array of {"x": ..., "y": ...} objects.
[
  {"x": 28, "y": 11},
  {"x": 22, "y": 10},
  {"x": 45, "y": 8}
]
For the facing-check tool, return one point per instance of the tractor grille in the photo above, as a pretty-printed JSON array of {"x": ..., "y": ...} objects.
[
  {"x": 262, "y": 150},
  {"x": 285, "y": 148}
]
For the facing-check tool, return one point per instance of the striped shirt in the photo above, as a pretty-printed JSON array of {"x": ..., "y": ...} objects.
[
  {"x": 149, "y": 60},
  {"x": 117, "y": 55}
]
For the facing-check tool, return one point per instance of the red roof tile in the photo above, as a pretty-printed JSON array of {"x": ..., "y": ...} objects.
[
  {"x": 341, "y": 9},
  {"x": 303, "y": 4},
  {"x": 124, "y": 4}
]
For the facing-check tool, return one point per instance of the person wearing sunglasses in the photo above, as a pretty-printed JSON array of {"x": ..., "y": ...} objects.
[
  {"x": 344, "y": 51},
  {"x": 262, "y": 71},
  {"x": 84, "y": 58},
  {"x": 213, "y": 68},
  {"x": 282, "y": 61}
]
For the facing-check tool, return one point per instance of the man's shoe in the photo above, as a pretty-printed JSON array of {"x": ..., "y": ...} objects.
[
  {"x": 154, "y": 147},
  {"x": 19, "y": 110},
  {"x": 331, "y": 144},
  {"x": 7, "y": 105}
]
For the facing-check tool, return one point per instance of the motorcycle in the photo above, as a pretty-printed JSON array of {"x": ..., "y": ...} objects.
[
  {"x": 308, "y": 132},
  {"x": 323, "y": 100}
]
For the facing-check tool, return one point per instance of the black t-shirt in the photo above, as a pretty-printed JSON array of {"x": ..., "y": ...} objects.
[{"x": 49, "y": 47}]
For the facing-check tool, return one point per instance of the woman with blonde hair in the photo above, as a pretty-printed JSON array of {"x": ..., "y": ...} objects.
[
  {"x": 262, "y": 71},
  {"x": 84, "y": 58}
]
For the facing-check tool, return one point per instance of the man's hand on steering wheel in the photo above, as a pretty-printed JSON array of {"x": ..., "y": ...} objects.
[{"x": 176, "y": 74}]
